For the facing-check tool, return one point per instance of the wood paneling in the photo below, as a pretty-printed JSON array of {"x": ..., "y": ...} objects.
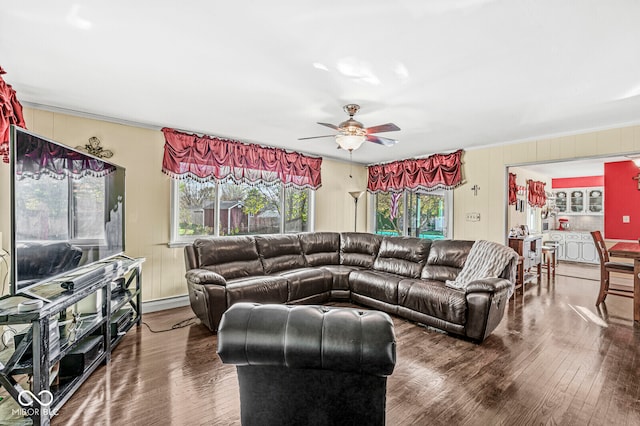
[{"x": 546, "y": 363}]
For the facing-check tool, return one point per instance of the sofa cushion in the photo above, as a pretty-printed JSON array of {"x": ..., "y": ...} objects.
[
  {"x": 433, "y": 298},
  {"x": 280, "y": 252},
  {"x": 340, "y": 274},
  {"x": 260, "y": 289},
  {"x": 359, "y": 248},
  {"x": 439, "y": 273},
  {"x": 402, "y": 255},
  {"x": 321, "y": 248},
  {"x": 446, "y": 259},
  {"x": 378, "y": 285},
  {"x": 231, "y": 257},
  {"x": 307, "y": 282}
]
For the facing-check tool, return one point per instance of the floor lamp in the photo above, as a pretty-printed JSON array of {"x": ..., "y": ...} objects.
[{"x": 356, "y": 195}]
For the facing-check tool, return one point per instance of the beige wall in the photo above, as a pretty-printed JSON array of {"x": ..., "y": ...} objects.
[
  {"x": 335, "y": 208},
  {"x": 148, "y": 189},
  {"x": 140, "y": 151},
  {"x": 487, "y": 168}
]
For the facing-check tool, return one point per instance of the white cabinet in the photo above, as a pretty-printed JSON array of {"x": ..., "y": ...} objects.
[
  {"x": 572, "y": 248},
  {"x": 588, "y": 201},
  {"x": 576, "y": 201},
  {"x": 561, "y": 201},
  {"x": 575, "y": 246},
  {"x": 558, "y": 237},
  {"x": 595, "y": 200},
  {"x": 589, "y": 253}
]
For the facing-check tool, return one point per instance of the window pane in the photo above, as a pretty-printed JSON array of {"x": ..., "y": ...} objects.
[
  {"x": 296, "y": 207},
  {"x": 89, "y": 215},
  {"x": 197, "y": 207},
  {"x": 389, "y": 213},
  {"x": 45, "y": 202},
  {"x": 249, "y": 209},
  {"x": 426, "y": 215}
]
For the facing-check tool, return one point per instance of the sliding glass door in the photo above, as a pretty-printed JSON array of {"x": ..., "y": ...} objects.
[
  {"x": 425, "y": 213},
  {"x": 417, "y": 214}
]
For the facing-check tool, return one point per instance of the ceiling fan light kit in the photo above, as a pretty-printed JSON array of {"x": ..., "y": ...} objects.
[
  {"x": 352, "y": 134},
  {"x": 350, "y": 142}
]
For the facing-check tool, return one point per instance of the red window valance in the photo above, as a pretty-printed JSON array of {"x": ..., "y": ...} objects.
[
  {"x": 206, "y": 158},
  {"x": 439, "y": 171},
  {"x": 36, "y": 157},
  {"x": 537, "y": 197},
  {"x": 513, "y": 189},
  {"x": 10, "y": 113}
]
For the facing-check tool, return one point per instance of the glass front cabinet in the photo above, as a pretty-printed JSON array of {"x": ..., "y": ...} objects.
[
  {"x": 577, "y": 201},
  {"x": 588, "y": 201},
  {"x": 561, "y": 201},
  {"x": 595, "y": 201}
]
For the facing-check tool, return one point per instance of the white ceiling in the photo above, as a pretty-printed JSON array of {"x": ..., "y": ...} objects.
[{"x": 450, "y": 73}]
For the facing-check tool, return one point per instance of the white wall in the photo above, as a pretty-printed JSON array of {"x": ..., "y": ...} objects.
[{"x": 522, "y": 176}]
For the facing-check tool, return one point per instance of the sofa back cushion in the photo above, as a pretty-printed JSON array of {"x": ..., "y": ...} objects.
[
  {"x": 321, "y": 248},
  {"x": 446, "y": 259},
  {"x": 280, "y": 252},
  {"x": 231, "y": 257},
  {"x": 402, "y": 256},
  {"x": 359, "y": 248}
]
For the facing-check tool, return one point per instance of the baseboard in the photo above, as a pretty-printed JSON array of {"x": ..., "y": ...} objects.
[{"x": 164, "y": 304}]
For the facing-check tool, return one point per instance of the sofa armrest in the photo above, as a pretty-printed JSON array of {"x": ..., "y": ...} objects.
[
  {"x": 204, "y": 276},
  {"x": 489, "y": 285}
]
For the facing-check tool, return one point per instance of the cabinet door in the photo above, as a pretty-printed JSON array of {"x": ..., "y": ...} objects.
[
  {"x": 577, "y": 202},
  {"x": 572, "y": 250},
  {"x": 589, "y": 253},
  {"x": 558, "y": 237},
  {"x": 595, "y": 201},
  {"x": 561, "y": 201}
]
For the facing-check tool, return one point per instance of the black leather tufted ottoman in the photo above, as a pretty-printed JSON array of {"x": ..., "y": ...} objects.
[{"x": 311, "y": 365}]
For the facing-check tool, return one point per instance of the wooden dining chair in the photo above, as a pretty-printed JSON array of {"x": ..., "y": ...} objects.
[{"x": 606, "y": 267}]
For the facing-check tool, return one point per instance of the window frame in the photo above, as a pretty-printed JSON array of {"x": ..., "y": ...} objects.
[{"x": 175, "y": 240}]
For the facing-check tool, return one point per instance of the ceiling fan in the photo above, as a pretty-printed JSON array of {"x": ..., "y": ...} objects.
[{"x": 351, "y": 133}]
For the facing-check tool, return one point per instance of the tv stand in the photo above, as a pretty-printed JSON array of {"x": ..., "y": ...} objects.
[{"x": 61, "y": 346}]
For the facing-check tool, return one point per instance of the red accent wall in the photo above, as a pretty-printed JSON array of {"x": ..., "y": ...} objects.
[
  {"x": 577, "y": 182},
  {"x": 621, "y": 198}
]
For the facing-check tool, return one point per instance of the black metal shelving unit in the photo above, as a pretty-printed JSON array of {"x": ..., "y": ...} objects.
[{"x": 18, "y": 365}]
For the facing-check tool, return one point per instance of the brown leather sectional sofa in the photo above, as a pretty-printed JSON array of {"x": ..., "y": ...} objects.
[{"x": 402, "y": 276}]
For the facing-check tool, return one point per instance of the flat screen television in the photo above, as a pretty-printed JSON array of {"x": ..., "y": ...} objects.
[{"x": 67, "y": 209}]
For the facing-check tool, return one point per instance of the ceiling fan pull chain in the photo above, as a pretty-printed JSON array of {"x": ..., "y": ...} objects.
[{"x": 350, "y": 163}]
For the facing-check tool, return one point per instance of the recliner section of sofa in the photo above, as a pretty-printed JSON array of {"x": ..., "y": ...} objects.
[{"x": 404, "y": 276}]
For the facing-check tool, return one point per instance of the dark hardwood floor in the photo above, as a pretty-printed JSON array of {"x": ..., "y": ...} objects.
[{"x": 554, "y": 359}]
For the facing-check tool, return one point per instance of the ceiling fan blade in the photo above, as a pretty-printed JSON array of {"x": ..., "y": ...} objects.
[
  {"x": 389, "y": 127},
  {"x": 333, "y": 126},
  {"x": 316, "y": 137},
  {"x": 381, "y": 140}
]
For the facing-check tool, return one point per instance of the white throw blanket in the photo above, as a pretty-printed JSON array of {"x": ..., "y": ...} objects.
[{"x": 486, "y": 260}]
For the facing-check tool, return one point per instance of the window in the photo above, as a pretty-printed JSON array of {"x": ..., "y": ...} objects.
[
  {"x": 196, "y": 206},
  {"x": 390, "y": 213},
  {"x": 50, "y": 215},
  {"x": 414, "y": 213},
  {"x": 88, "y": 206},
  {"x": 203, "y": 209}
]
